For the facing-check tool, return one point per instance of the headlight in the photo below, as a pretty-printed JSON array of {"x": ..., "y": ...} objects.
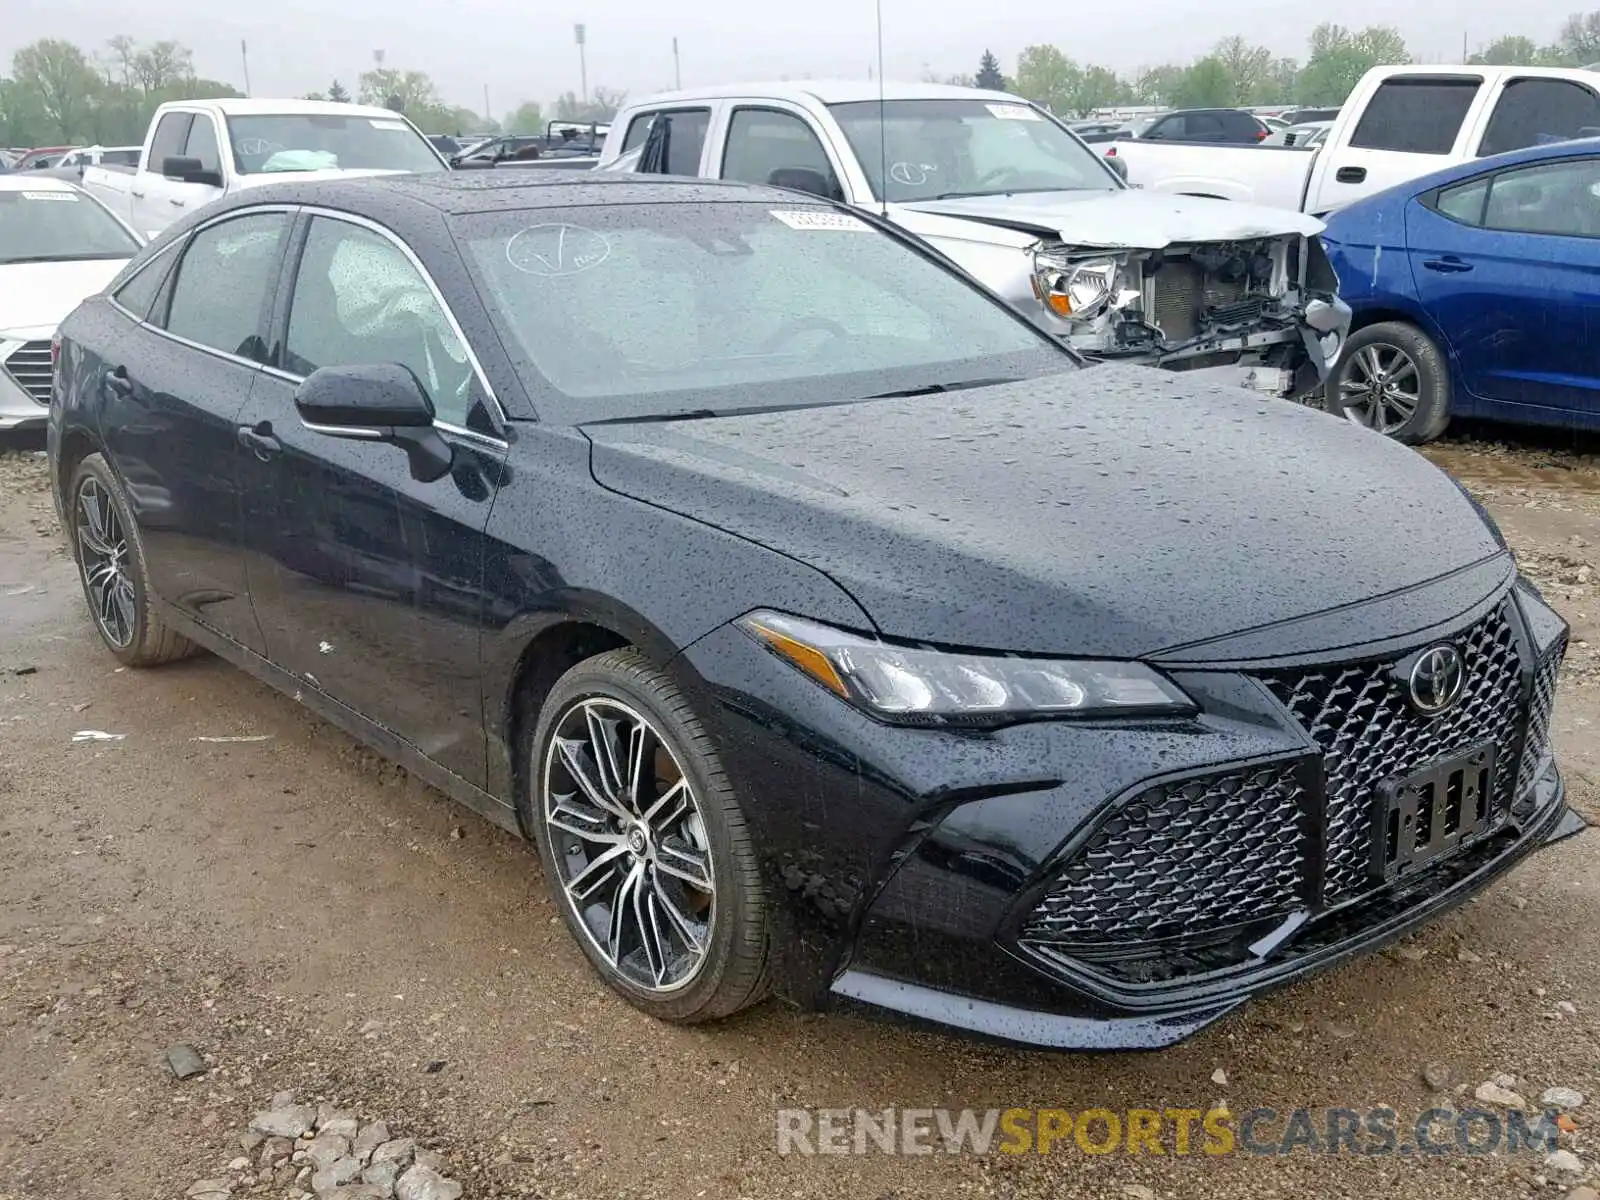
[
  {"x": 1078, "y": 291},
  {"x": 903, "y": 683}
]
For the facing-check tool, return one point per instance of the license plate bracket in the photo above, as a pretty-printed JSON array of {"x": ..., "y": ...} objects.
[{"x": 1426, "y": 815}]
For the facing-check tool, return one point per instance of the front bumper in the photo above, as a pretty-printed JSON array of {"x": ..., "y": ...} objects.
[{"x": 908, "y": 868}]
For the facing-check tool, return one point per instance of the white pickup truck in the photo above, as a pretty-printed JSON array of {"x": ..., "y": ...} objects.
[
  {"x": 1398, "y": 124},
  {"x": 1002, "y": 188},
  {"x": 198, "y": 150}
]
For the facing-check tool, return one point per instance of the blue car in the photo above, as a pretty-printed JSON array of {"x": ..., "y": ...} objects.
[{"x": 1476, "y": 293}]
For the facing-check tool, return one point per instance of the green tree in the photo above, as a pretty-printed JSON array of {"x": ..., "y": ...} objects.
[
  {"x": 1047, "y": 77},
  {"x": 989, "y": 75},
  {"x": 162, "y": 66},
  {"x": 1514, "y": 51},
  {"x": 410, "y": 92},
  {"x": 1157, "y": 85},
  {"x": 60, "y": 82},
  {"x": 1580, "y": 38},
  {"x": 1207, "y": 84},
  {"x": 337, "y": 93},
  {"x": 602, "y": 105},
  {"x": 1339, "y": 58},
  {"x": 529, "y": 118},
  {"x": 1249, "y": 68}
]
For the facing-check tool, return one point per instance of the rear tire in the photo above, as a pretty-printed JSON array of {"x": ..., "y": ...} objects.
[
  {"x": 1391, "y": 378},
  {"x": 645, "y": 847},
  {"x": 111, "y": 567}
]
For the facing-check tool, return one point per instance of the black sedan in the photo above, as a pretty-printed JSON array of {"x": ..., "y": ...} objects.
[{"x": 825, "y": 625}]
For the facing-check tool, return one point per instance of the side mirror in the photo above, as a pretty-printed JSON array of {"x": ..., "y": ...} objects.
[
  {"x": 1119, "y": 167},
  {"x": 380, "y": 402},
  {"x": 189, "y": 170},
  {"x": 803, "y": 179}
]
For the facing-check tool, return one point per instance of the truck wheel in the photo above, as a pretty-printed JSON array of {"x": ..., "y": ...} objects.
[{"x": 1391, "y": 378}]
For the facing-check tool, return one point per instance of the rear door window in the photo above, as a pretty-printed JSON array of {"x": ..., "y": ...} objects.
[
  {"x": 1417, "y": 114},
  {"x": 1531, "y": 112},
  {"x": 219, "y": 298},
  {"x": 1561, "y": 199},
  {"x": 685, "y": 131}
]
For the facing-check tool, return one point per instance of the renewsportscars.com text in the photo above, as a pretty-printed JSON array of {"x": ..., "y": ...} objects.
[{"x": 1169, "y": 1131}]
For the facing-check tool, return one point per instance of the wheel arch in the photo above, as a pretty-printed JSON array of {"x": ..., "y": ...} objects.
[{"x": 533, "y": 651}]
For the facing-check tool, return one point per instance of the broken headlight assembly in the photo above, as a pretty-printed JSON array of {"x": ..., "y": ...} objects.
[{"x": 1075, "y": 289}]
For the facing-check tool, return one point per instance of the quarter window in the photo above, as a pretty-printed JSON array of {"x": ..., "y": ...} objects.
[
  {"x": 220, "y": 296},
  {"x": 1464, "y": 202},
  {"x": 359, "y": 300},
  {"x": 1418, "y": 114},
  {"x": 139, "y": 293}
]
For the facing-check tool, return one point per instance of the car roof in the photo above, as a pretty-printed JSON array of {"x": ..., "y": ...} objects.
[
  {"x": 511, "y": 189},
  {"x": 242, "y": 107},
  {"x": 33, "y": 183},
  {"x": 825, "y": 91}
]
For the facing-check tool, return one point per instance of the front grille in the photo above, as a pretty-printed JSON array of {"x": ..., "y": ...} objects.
[
  {"x": 1217, "y": 850},
  {"x": 29, "y": 365},
  {"x": 1537, "y": 743},
  {"x": 1369, "y": 733},
  {"x": 1181, "y": 295}
]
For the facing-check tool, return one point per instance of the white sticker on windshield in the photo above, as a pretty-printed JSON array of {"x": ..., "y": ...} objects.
[
  {"x": 69, "y": 197},
  {"x": 1013, "y": 112},
  {"x": 385, "y": 123},
  {"x": 812, "y": 219}
]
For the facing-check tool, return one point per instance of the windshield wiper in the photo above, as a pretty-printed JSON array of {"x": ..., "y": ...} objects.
[
  {"x": 932, "y": 389},
  {"x": 49, "y": 258}
]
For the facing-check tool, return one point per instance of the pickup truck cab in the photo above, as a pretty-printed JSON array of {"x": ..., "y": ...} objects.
[
  {"x": 1007, "y": 192},
  {"x": 198, "y": 150},
  {"x": 1398, "y": 124}
]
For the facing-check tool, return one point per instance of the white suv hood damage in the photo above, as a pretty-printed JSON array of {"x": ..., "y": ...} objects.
[{"x": 1131, "y": 219}]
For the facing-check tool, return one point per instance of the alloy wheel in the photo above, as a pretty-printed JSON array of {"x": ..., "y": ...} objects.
[
  {"x": 629, "y": 844},
  {"x": 1380, "y": 388},
  {"x": 103, "y": 557}
]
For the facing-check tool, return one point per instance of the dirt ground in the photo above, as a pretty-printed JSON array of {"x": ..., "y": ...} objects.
[{"x": 313, "y": 919}]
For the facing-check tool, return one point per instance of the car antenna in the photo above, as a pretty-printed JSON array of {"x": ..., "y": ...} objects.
[{"x": 883, "y": 125}]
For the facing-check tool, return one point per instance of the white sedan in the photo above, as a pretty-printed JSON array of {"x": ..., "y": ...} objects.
[{"x": 58, "y": 245}]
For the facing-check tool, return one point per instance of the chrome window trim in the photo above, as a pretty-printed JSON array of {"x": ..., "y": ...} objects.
[
  {"x": 145, "y": 266},
  {"x": 289, "y": 376},
  {"x": 394, "y": 239}
]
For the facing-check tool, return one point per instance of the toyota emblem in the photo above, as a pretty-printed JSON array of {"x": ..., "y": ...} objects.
[{"x": 1438, "y": 678}]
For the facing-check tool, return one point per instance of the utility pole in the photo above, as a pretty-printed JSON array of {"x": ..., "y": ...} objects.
[
  {"x": 244, "y": 57},
  {"x": 677, "y": 66},
  {"x": 487, "y": 118},
  {"x": 1463, "y": 45},
  {"x": 583, "y": 65}
]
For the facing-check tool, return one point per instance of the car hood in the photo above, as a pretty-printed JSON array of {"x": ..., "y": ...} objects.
[
  {"x": 38, "y": 296},
  {"x": 1132, "y": 218},
  {"x": 1115, "y": 511}
]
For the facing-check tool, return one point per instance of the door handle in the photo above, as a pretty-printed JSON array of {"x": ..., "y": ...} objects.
[
  {"x": 136, "y": 195},
  {"x": 1448, "y": 265},
  {"x": 259, "y": 441},
  {"x": 1351, "y": 174},
  {"x": 117, "y": 380},
  {"x": 176, "y": 203}
]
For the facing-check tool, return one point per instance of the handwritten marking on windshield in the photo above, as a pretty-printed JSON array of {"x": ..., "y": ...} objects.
[{"x": 557, "y": 249}]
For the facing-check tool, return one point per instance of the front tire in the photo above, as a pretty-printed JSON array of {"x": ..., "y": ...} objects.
[
  {"x": 644, "y": 844},
  {"x": 1393, "y": 380},
  {"x": 111, "y": 566}
]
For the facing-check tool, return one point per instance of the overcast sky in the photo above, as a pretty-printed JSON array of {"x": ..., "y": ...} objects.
[{"x": 522, "y": 50}]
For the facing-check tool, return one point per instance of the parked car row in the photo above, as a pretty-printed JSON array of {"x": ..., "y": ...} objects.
[{"x": 827, "y": 625}]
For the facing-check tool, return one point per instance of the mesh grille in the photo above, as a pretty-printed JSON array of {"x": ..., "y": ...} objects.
[
  {"x": 1208, "y": 852},
  {"x": 1539, "y": 714},
  {"x": 1368, "y": 732}
]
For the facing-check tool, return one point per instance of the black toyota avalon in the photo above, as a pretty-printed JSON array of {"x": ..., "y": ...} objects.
[{"x": 829, "y": 629}]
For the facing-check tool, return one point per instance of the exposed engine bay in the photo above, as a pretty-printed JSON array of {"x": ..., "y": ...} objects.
[{"x": 1267, "y": 306}]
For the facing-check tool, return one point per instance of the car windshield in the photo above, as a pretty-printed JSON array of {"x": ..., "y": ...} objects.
[
  {"x": 938, "y": 149},
  {"x": 58, "y": 225},
  {"x": 638, "y": 310},
  {"x": 328, "y": 141}
]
